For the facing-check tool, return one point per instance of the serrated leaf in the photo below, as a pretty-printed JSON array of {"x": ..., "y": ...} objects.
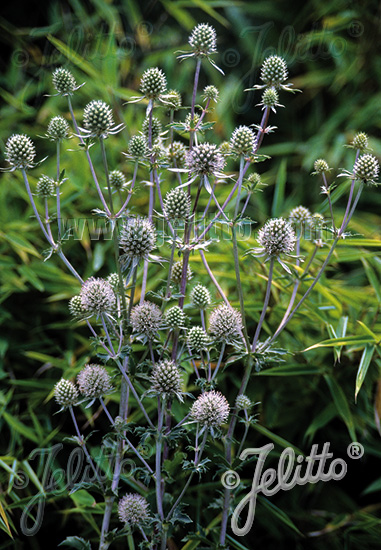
[{"x": 76, "y": 542}]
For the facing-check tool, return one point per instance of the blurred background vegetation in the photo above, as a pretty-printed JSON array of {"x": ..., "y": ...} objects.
[{"x": 331, "y": 49}]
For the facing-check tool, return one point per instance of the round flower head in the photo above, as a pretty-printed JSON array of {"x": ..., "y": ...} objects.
[
  {"x": 94, "y": 381},
  {"x": 153, "y": 83},
  {"x": 300, "y": 215},
  {"x": 243, "y": 403},
  {"x": 58, "y": 128},
  {"x": 97, "y": 118},
  {"x": 138, "y": 146},
  {"x": 64, "y": 81},
  {"x": 203, "y": 40},
  {"x": 242, "y": 141},
  {"x": 277, "y": 237},
  {"x": 225, "y": 149},
  {"x": 20, "y": 151},
  {"x": 360, "y": 141},
  {"x": 270, "y": 98},
  {"x": 76, "y": 308},
  {"x": 188, "y": 120},
  {"x": 137, "y": 238},
  {"x": 197, "y": 339},
  {"x": 66, "y": 393},
  {"x": 166, "y": 378},
  {"x": 200, "y": 296},
  {"x": 117, "y": 179},
  {"x": 175, "y": 317},
  {"x": 45, "y": 187},
  {"x": 177, "y": 204},
  {"x": 146, "y": 319},
  {"x": 173, "y": 100},
  {"x": 156, "y": 127},
  {"x": 177, "y": 154},
  {"x": 320, "y": 166},
  {"x": 211, "y": 93},
  {"x": 254, "y": 180},
  {"x": 177, "y": 270},
  {"x": 97, "y": 296},
  {"x": 113, "y": 280},
  {"x": 274, "y": 70},
  {"x": 133, "y": 509},
  {"x": 211, "y": 409},
  {"x": 205, "y": 159},
  {"x": 225, "y": 323},
  {"x": 366, "y": 168}
]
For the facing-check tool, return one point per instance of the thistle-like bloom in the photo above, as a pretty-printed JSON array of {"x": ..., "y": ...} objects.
[
  {"x": 58, "y": 129},
  {"x": 366, "y": 168},
  {"x": 113, "y": 280},
  {"x": 94, "y": 381},
  {"x": 97, "y": 119},
  {"x": 243, "y": 403},
  {"x": 173, "y": 99},
  {"x": 153, "y": 83},
  {"x": 76, "y": 308},
  {"x": 166, "y": 378},
  {"x": 211, "y": 409},
  {"x": 177, "y": 154},
  {"x": 155, "y": 130},
  {"x": 300, "y": 214},
  {"x": 270, "y": 98},
  {"x": 274, "y": 71},
  {"x": 277, "y": 237},
  {"x": 117, "y": 179},
  {"x": 242, "y": 141},
  {"x": 64, "y": 81},
  {"x": 203, "y": 40},
  {"x": 177, "y": 270},
  {"x": 97, "y": 296},
  {"x": 360, "y": 141},
  {"x": 137, "y": 239},
  {"x": 138, "y": 146},
  {"x": 177, "y": 204},
  {"x": 321, "y": 166},
  {"x": 225, "y": 323},
  {"x": 197, "y": 339},
  {"x": 225, "y": 149},
  {"x": 133, "y": 509},
  {"x": 200, "y": 296},
  {"x": 45, "y": 187},
  {"x": 66, "y": 393},
  {"x": 211, "y": 93},
  {"x": 205, "y": 159},
  {"x": 146, "y": 319},
  {"x": 175, "y": 317},
  {"x": 20, "y": 151}
]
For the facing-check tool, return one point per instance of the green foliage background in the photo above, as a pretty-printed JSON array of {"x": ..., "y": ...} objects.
[{"x": 331, "y": 50}]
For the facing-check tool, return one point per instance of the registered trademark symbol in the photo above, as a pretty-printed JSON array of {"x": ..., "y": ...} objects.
[{"x": 355, "y": 450}]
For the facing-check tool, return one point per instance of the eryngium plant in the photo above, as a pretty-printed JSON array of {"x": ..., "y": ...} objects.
[{"x": 155, "y": 344}]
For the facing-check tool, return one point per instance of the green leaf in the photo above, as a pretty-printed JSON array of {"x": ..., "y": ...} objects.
[
  {"x": 296, "y": 369},
  {"x": 346, "y": 341},
  {"x": 341, "y": 404},
  {"x": 278, "y": 513},
  {"x": 372, "y": 277},
  {"x": 363, "y": 367},
  {"x": 76, "y": 542},
  {"x": 15, "y": 424}
]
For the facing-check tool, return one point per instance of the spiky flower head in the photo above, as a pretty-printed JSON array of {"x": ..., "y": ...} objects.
[
  {"x": 225, "y": 323},
  {"x": 138, "y": 146},
  {"x": 175, "y": 317},
  {"x": 177, "y": 204},
  {"x": 66, "y": 393},
  {"x": 156, "y": 127},
  {"x": 20, "y": 151},
  {"x": 200, "y": 296},
  {"x": 76, "y": 308},
  {"x": 153, "y": 83},
  {"x": 117, "y": 179},
  {"x": 270, "y": 98},
  {"x": 97, "y": 118},
  {"x": 366, "y": 168},
  {"x": 243, "y": 403},
  {"x": 242, "y": 141},
  {"x": 146, "y": 319},
  {"x": 211, "y": 409},
  {"x": 188, "y": 120},
  {"x": 45, "y": 187},
  {"x": 177, "y": 154},
  {"x": 64, "y": 81},
  {"x": 277, "y": 237},
  {"x": 173, "y": 99},
  {"x": 300, "y": 214},
  {"x": 166, "y": 378},
  {"x": 205, "y": 159},
  {"x": 137, "y": 238},
  {"x": 177, "y": 270},
  {"x": 197, "y": 339},
  {"x": 360, "y": 141},
  {"x": 133, "y": 509},
  {"x": 211, "y": 93},
  {"x": 321, "y": 166},
  {"x": 254, "y": 180},
  {"x": 58, "y": 128},
  {"x": 274, "y": 71},
  {"x": 97, "y": 296},
  {"x": 94, "y": 381},
  {"x": 225, "y": 149},
  {"x": 113, "y": 280},
  {"x": 203, "y": 40}
]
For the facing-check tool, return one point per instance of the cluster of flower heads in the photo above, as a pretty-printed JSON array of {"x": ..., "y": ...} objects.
[{"x": 93, "y": 382}]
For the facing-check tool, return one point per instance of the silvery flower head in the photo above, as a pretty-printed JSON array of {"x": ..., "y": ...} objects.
[
  {"x": 274, "y": 71},
  {"x": 300, "y": 218},
  {"x": 133, "y": 509},
  {"x": 276, "y": 237},
  {"x": 225, "y": 323},
  {"x": 153, "y": 83},
  {"x": 166, "y": 379},
  {"x": 58, "y": 129},
  {"x": 177, "y": 270},
  {"x": 205, "y": 159},
  {"x": 211, "y": 409},
  {"x": 366, "y": 168},
  {"x": 360, "y": 141},
  {"x": 20, "y": 152},
  {"x": 175, "y": 317},
  {"x": 321, "y": 166},
  {"x": 242, "y": 141},
  {"x": 137, "y": 239},
  {"x": 45, "y": 187},
  {"x": 243, "y": 402},
  {"x": 97, "y": 296},
  {"x": 203, "y": 40},
  {"x": 76, "y": 308},
  {"x": 200, "y": 296},
  {"x": 197, "y": 339},
  {"x": 138, "y": 146},
  {"x": 211, "y": 93},
  {"x": 94, "y": 381},
  {"x": 177, "y": 154},
  {"x": 117, "y": 179},
  {"x": 97, "y": 119},
  {"x": 156, "y": 127},
  {"x": 177, "y": 204},
  {"x": 64, "y": 81},
  {"x": 146, "y": 319},
  {"x": 66, "y": 393}
]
